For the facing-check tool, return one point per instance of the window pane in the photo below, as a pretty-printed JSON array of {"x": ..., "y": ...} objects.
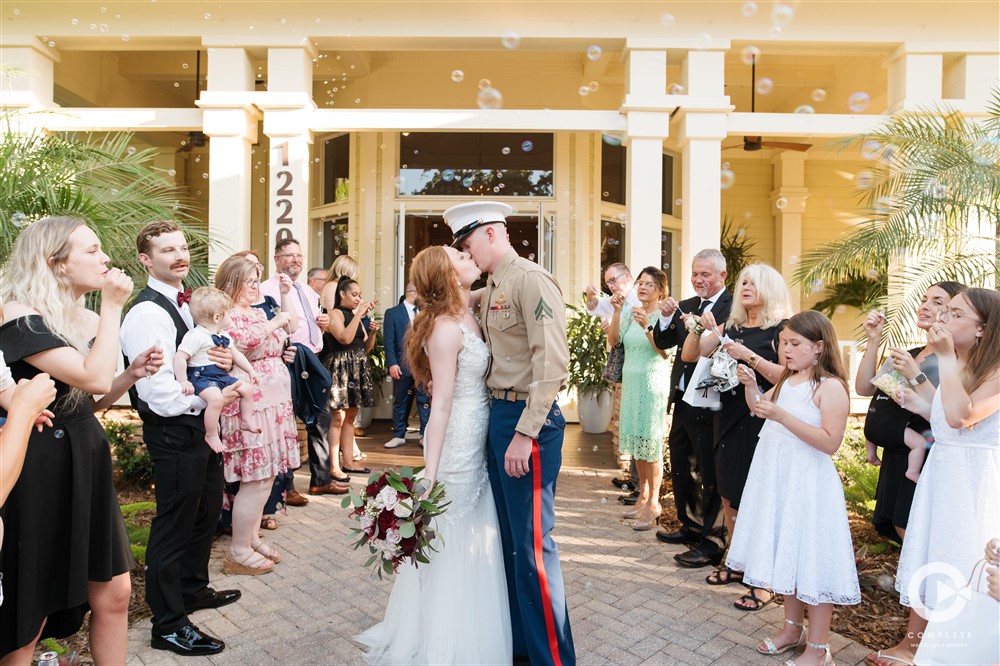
[
  {"x": 666, "y": 251},
  {"x": 668, "y": 185},
  {"x": 612, "y": 240},
  {"x": 334, "y": 240},
  {"x": 336, "y": 168},
  {"x": 612, "y": 171},
  {"x": 475, "y": 163}
]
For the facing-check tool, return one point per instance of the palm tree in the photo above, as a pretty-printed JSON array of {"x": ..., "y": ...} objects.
[
  {"x": 99, "y": 178},
  {"x": 932, "y": 211}
]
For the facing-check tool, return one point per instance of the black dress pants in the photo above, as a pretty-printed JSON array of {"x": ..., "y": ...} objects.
[
  {"x": 319, "y": 449},
  {"x": 189, "y": 479},
  {"x": 692, "y": 472}
]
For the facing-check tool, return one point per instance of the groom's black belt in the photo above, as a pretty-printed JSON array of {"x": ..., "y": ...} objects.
[{"x": 508, "y": 394}]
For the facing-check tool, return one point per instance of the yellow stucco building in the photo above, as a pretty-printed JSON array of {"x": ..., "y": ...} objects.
[{"x": 617, "y": 130}]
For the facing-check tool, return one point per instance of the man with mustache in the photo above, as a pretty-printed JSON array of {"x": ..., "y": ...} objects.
[{"x": 186, "y": 472}]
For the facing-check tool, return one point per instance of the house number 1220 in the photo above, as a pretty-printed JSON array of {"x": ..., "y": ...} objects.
[{"x": 285, "y": 181}]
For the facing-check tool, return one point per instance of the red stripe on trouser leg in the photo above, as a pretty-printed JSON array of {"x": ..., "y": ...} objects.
[{"x": 536, "y": 523}]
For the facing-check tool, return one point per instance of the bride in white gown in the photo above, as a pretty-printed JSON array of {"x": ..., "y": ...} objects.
[{"x": 453, "y": 610}]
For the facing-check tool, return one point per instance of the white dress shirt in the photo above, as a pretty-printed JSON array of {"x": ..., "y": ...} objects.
[
  {"x": 411, "y": 310},
  {"x": 147, "y": 324},
  {"x": 606, "y": 311}
]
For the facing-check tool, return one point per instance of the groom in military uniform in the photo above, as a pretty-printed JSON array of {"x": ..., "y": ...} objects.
[{"x": 524, "y": 323}]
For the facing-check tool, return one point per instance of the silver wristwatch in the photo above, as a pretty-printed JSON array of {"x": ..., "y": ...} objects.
[{"x": 918, "y": 380}]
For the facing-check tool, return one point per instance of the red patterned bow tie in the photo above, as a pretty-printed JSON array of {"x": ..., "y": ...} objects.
[{"x": 183, "y": 297}]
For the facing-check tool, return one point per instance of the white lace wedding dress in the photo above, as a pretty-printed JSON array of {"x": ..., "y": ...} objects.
[
  {"x": 454, "y": 610},
  {"x": 956, "y": 506}
]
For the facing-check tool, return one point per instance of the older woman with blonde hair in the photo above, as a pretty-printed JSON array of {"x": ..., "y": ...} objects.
[
  {"x": 65, "y": 547},
  {"x": 761, "y": 304},
  {"x": 250, "y": 458}
]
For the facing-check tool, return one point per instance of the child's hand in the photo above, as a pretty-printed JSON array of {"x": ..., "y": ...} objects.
[
  {"x": 255, "y": 378},
  {"x": 871, "y": 454},
  {"x": 766, "y": 409},
  {"x": 187, "y": 388},
  {"x": 747, "y": 377}
]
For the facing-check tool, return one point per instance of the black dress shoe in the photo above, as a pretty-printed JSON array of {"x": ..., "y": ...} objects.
[
  {"x": 694, "y": 559},
  {"x": 630, "y": 499},
  {"x": 621, "y": 482},
  {"x": 188, "y": 640},
  {"x": 212, "y": 599},
  {"x": 678, "y": 537}
]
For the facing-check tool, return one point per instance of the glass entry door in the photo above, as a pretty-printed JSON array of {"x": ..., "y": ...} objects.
[{"x": 418, "y": 230}]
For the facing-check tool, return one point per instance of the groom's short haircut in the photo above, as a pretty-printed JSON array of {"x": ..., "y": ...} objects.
[{"x": 144, "y": 240}]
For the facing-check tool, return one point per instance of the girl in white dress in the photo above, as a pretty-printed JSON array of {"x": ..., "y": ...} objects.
[
  {"x": 956, "y": 506},
  {"x": 455, "y": 609},
  {"x": 792, "y": 535}
]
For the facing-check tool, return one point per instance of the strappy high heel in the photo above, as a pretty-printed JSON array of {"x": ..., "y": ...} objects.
[
  {"x": 771, "y": 648},
  {"x": 827, "y": 658}
]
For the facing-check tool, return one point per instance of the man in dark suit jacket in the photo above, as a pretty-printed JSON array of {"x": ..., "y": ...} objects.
[
  {"x": 404, "y": 390},
  {"x": 692, "y": 458}
]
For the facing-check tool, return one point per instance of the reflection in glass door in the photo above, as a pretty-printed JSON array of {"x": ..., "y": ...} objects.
[{"x": 424, "y": 229}]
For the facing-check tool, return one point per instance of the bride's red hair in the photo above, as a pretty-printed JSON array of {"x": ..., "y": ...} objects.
[{"x": 439, "y": 294}]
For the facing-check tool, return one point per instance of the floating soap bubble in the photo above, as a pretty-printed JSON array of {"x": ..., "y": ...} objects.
[
  {"x": 937, "y": 189},
  {"x": 104, "y": 27},
  {"x": 467, "y": 181},
  {"x": 594, "y": 86},
  {"x": 184, "y": 65},
  {"x": 675, "y": 89},
  {"x": 781, "y": 203},
  {"x": 524, "y": 243},
  {"x": 595, "y": 447},
  {"x": 727, "y": 179},
  {"x": 818, "y": 95},
  {"x": 484, "y": 84},
  {"x": 125, "y": 38},
  {"x": 171, "y": 172},
  {"x": 804, "y": 108},
  {"x": 611, "y": 140},
  {"x": 604, "y": 500},
  {"x": 583, "y": 91},
  {"x": 510, "y": 40},
  {"x": 666, "y": 266},
  {"x": 531, "y": 256},
  {"x": 702, "y": 40},
  {"x": 871, "y": 149},
  {"x": 489, "y": 98},
  {"x": 782, "y": 14},
  {"x": 883, "y": 205},
  {"x": 793, "y": 259},
  {"x": 864, "y": 179},
  {"x": 261, "y": 179},
  {"x": 667, "y": 20},
  {"x": 678, "y": 202},
  {"x": 457, "y": 76},
  {"x": 774, "y": 32},
  {"x": 283, "y": 21},
  {"x": 526, "y": 146},
  {"x": 448, "y": 175},
  {"x": 764, "y": 86},
  {"x": 176, "y": 84},
  {"x": 594, "y": 52},
  {"x": 74, "y": 21},
  {"x": 858, "y": 101},
  {"x": 749, "y": 8},
  {"x": 208, "y": 16},
  {"x": 750, "y": 55},
  {"x": 399, "y": 182},
  {"x": 505, "y": 150},
  {"x": 19, "y": 220}
]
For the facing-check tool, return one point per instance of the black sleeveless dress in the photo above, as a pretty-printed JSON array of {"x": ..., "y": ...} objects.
[
  {"x": 353, "y": 385},
  {"x": 62, "y": 524}
]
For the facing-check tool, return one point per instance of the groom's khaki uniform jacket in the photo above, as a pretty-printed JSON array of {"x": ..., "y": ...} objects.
[{"x": 524, "y": 322}]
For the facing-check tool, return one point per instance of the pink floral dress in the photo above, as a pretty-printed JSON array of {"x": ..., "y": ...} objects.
[{"x": 250, "y": 457}]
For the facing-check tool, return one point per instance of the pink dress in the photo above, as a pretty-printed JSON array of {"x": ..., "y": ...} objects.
[{"x": 250, "y": 457}]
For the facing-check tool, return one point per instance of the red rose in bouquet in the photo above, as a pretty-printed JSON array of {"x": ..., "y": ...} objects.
[{"x": 396, "y": 518}]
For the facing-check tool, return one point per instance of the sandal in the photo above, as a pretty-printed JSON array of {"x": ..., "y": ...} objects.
[
  {"x": 771, "y": 648},
  {"x": 233, "y": 567},
  {"x": 268, "y": 523},
  {"x": 716, "y": 577},
  {"x": 363, "y": 470},
  {"x": 752, "y": 598},
  {"x": 341, "y": 479},
  {"x": 827, "y": 658},
  {"x": 876, "y": 659},
  {"x": 266, "y": 551}
]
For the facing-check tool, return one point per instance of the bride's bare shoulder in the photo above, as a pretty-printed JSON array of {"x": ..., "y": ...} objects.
[{"x": 446, "y": 333}]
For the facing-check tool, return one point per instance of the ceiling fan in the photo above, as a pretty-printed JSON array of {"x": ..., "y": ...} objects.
[
  {"x": 755, "y": 143},
  {"x": 196, "y": 138}
]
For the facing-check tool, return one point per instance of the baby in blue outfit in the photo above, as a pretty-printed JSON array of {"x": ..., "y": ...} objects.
[{"x": 210, "y": 310}]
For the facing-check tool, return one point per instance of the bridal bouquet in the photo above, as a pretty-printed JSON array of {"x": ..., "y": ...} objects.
[{"x": 395, "y": 522}]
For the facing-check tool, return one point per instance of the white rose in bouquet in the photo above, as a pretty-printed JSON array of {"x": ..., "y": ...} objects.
[
  {"x": 388, "y": 497},
  {"x": 402, "y": 510},
  {"x": 366, "y": 522},
  {"x": 393, "y": 537}
]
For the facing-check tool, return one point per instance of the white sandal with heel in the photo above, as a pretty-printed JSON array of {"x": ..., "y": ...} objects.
[
  {"x": 827, "y": 658},
  {"x": 771, "y": 648}
]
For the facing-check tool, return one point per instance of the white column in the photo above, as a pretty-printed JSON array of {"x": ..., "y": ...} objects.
[
  {"x": 915, "y": 80},
  {"x": 788, "y": 205},
  {"x": 30, "y": 82},
  {"x": 230, "y": 121},
  {"x": 286, "y": 107},
  {"x": 648, "y": 116}
]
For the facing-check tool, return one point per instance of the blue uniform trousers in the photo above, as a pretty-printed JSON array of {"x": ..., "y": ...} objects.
[
  {"x": 404, "y": 390},
  {"x": 525, "y": 507}
]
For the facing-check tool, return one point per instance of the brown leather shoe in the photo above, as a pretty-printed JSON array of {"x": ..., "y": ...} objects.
[
  {"x": 332, "y": 488},
  {"x": 295, "y": 498}
]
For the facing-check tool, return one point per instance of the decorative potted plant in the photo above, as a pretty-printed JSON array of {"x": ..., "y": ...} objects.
[{"x": 588, "y": 353}]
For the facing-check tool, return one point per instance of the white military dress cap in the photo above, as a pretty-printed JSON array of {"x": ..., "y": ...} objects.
[{"x": 467, "y": 217}]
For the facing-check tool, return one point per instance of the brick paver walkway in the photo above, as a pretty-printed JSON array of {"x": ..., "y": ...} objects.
[{"x": 629, "y": 603}]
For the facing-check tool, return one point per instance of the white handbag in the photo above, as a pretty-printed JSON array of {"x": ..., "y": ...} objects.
[{"x": 706, "y": 396}]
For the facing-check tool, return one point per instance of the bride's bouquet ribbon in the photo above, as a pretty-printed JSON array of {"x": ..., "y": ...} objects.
[{"x": 395, "y": 523}]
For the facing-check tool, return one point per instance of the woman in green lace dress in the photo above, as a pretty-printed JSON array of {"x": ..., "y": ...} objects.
[{"x": 642, "y": 426}]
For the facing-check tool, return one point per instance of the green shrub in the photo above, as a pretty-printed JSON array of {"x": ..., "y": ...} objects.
[
  {"x": 138, "y": 537},
  {"x": 860, "y": 478},
  {"x": 131, "y": 456}
]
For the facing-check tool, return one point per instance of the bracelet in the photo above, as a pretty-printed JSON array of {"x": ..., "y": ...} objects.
[{"x": 754, "y": 360}]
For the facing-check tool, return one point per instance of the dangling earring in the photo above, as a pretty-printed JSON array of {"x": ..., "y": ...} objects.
[{"x": 816, "y": 361}]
